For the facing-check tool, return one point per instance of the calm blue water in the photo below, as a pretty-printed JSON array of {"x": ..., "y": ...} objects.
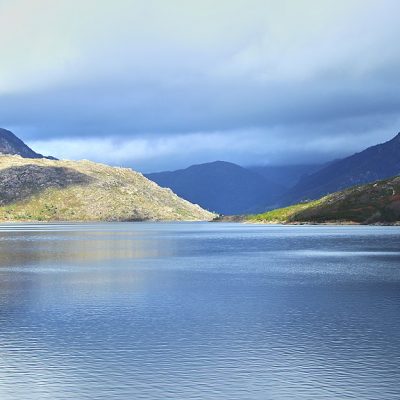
[{"x": 199, "y": 311}]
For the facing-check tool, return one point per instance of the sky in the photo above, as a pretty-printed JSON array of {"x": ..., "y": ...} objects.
[{"x": 157, "y": 84}]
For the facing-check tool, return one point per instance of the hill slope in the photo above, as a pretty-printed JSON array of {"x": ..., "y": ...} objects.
[
  {"x": 52, "y": 190},
  {"x": 285, "y": 175},
  {"x": 377, "y": 202},
  {"x": 220, "y": 186},
  {"x": 11, "y": 144},
  {"x": 376, "y": 162}
]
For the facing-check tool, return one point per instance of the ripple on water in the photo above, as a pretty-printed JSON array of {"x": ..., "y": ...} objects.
[{"x": 199, "y": 311}]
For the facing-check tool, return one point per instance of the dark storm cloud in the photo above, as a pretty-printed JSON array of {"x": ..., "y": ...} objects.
[
  {"x": 286, "y": 83},
  {"x": 138, "y": 110}
]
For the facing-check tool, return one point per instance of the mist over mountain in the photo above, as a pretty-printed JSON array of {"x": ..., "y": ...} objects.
[
  {"x": 285, "y": 175},
  {"x": 229, "y": 189},
  {"x": 377, "y": 162}
]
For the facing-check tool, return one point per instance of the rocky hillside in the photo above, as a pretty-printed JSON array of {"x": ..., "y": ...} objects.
[
  {"x": 377, "y": 162},
  {"x": 11, "y": 144},
  {"x": 53, "y": 190},
  {"x": 377, "y": 202}
]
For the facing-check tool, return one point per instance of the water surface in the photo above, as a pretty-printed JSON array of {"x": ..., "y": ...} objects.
[{"x": 199, "y": 311}]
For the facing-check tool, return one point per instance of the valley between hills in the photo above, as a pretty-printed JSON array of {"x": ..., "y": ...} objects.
[{"x": 363, "y": 188}]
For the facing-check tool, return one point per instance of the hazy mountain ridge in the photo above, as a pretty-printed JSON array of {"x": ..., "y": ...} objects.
[
  {"x": 53, "y": 190},
  {"x": 377, "y": 202},
  {"x": 285, "y": 175},
  {"x": 376, "y": 162},
  {"x": 221, "y": 186}
]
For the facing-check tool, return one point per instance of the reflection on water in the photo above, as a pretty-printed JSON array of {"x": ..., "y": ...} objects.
[
  {"x": 199, "y": 311},
  {"x": 24, "y": 248}
]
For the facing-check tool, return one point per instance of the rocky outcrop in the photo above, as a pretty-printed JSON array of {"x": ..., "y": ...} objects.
[{"x": 53, "y": 190}]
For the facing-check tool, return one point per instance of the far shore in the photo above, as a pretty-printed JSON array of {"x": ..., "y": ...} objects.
[
  {"x": 223, "y": 219},
  {"x": 245, "y": 220}
]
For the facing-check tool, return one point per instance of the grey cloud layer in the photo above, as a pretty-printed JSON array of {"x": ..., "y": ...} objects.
[{"x": 283, "y": 82}]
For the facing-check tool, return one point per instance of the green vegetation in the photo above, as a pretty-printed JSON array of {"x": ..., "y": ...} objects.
[
  {"x": 378, "y": 202},
  {"x": 281, "y": 214}
]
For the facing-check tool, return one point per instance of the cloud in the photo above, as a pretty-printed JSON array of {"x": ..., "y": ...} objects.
[
  {"x": 155, "y": 78},
  {"x": 245, "y": 147}
]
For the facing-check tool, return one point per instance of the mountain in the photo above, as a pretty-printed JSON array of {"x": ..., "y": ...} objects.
[
  {"x": 285, "y": 175},
  {"x": 377, "y": 202},
  {"x": 376, "y": 162},
  {"x": 220, "y": 186},
  {"x": 51, "y": 190},
  {"x": 11, "y": 144}
]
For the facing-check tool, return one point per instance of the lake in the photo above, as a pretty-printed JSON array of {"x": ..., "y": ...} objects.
[{"x": 199, "y": 311}]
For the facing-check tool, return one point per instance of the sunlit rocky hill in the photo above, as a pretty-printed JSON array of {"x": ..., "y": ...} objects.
[{"x": 41, "y": 189}]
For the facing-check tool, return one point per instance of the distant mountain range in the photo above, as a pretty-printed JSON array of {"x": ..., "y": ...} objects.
[
  {"x": 11, "y": 144},
  {"x": 221, "y": 186},
  {"x": 229, "y": 189},
  {"x": 376, "y": 162}
]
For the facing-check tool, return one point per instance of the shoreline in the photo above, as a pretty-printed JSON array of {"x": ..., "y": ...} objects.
[
  {"x": 243, "y": 220},
  {"x": 220, "y": 220}
]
